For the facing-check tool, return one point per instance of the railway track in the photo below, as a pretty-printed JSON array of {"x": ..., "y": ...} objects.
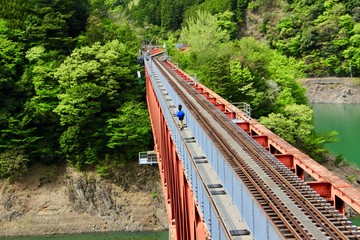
[{"x": 296, "y": 210}]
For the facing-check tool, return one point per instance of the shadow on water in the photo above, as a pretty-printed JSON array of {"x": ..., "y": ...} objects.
[{"x": 161, "y": 235}]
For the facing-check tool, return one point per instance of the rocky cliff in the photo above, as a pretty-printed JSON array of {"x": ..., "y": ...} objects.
[
  {"x": 53, "y": 199},
  {"x": 332, "y": 90}
]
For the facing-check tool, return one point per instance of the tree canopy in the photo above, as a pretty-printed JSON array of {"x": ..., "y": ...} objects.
[
  {"x": 68, "y": 88},
  {"x": 67, "y": 82}
]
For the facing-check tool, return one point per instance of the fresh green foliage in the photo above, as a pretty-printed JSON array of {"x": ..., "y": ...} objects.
[
  {"x": 171, "y": 14},
  {"x": 351, "y": 178},
  {"x": 91, "y": 81},
  {"x": 294, "y": 124},
  {"x": 211, "y": 6},
  {"x": 56, "y": 106},
  {"x": 13, "y": 163},
  {"x": 53, "y": 24},
  {"x": 225, "y": 22},
  {"x": 340, "y": 160},
  {"x": 244, "y": 71},
  {"x": 130, "y": 130},
  {"x": 204, "y": 36},
  {"x": 323, "y": 33},
  {"x": 315, "y": 145},
  {"x": 84, "y": 105},
  {"x": 104, "y": 30}
]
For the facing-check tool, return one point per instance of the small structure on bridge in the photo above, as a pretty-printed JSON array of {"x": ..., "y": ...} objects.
[{"x": 148, "y": 157}]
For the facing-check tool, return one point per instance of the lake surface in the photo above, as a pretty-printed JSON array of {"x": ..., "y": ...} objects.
[
  {"x": 163, "y": 235},
  {"x": 345, "y": 119}
]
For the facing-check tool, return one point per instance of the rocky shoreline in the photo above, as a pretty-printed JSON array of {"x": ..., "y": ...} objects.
[
  {"x": 332, "y": 90},
  {"x": 55, "y": 200}
]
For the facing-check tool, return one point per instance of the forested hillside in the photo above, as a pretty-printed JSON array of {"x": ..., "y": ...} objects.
[
  {"x": 254, "y": 51},
  {"x": 68, "y": 85},
  {"x": 325, "y": 35}
]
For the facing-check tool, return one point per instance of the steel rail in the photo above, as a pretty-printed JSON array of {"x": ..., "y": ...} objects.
[
  {"x": 207, "y": 192},
  {"x": 290, "y": 221},
  {"x": 266, "y": 194}
]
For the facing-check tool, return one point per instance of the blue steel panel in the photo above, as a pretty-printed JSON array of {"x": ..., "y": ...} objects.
[
  {"x": 223, "y": 236},
  {"x": 241, "y": 197},
  {"x": 216, "y": 227},
  {"x": 216, "y": 231},
  {"x": 248, "y": 210},
  {"x": 194, "y": 183},
  {"x": 238, "y": 195},
  {"x": 259, "y": 232},
  {"x": 232, "y": 180},
  {"x": 228, "y": 173},
  {"x": 207, "y": 214},
  {"x": 201, "y": 200},
  {"x": 273, "y": 233},
  {"x": 188, "y": 167},
  {"x": 221, "y": 171},
  {"x": 214, "y": 161}
]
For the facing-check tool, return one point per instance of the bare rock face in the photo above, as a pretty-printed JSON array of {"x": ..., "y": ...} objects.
[
  {"x": 14, "y": 205},
  {"x": 332, "y": 90},
  {"x": 62, "y": 200}
]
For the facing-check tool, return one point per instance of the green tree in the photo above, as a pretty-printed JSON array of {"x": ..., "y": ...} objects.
[
  {"x": 39, "y": 82},
  {"x": 93, "y": 81},
  {"x": 130, "y": 130},
  {"x": 204, "y": 36},
  {"x": 147, "y": 12},
  {"x": 104, "y": 30},
  {"x": 11, "y": 98},
  {"x": 315, "y": 145},
  {"x": 272, "y": 84},
  {"x": 225, "y": 22},
  {"x": 294, "y": 124},
  {"x": 320, "y": 33},
  {"x": 243, "y": 86},
  {"x": 352, "y": 53},
  {"x": 54, "y": 24},
  {"x": 171, "y": 14}
]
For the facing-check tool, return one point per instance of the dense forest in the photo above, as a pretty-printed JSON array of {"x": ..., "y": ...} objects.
[
  {"x": 69, "y": 91},
  {"x": 68, "y": 85}
]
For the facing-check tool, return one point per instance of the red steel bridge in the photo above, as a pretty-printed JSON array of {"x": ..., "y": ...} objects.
[{"x": 225, "y": 176}]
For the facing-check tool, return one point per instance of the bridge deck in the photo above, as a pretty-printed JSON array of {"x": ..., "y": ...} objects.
[
  {"x": 223, "y": 203},
  {"x": 208, "y": 174},
  {"x": 299, "y": 162}
]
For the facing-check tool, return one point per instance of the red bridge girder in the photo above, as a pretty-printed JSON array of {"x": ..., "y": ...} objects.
[
  {"x": 338, "y": 191},
  {"x": 183, "y": 211}
]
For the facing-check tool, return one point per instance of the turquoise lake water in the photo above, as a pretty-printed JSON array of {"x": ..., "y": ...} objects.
[
  {"x": 163, "y": 235},
  {"x": 345, "y": 119}
]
